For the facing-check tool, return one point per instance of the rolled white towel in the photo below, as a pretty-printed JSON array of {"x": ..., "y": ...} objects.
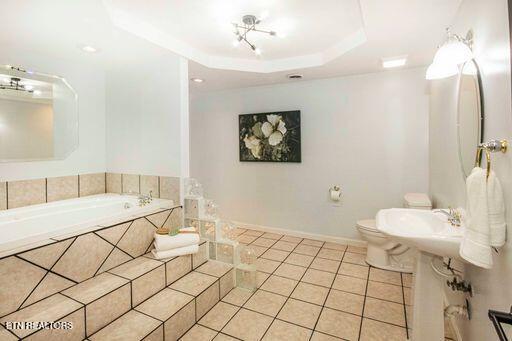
[
  {"x": 187, "y": 250},
  {"x": 475, "y": 246},
  {"x": 166, "y": 242},
  {"x": 496, "y": 204}
]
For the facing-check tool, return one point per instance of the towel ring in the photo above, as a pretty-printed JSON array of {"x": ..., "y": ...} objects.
[{"x": 491, "y": 146}]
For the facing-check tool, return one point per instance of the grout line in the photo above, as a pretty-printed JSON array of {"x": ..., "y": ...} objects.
[
  {"x": 364, "y": 302},
  {"x": 405, "y": 309}
]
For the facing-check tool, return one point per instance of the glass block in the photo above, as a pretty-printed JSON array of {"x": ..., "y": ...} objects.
[
  {"x": 194, "y": 207},
  {"x": 193, "y": 188},
  {"x": 246, "y": 257},
  {"x": 211, "y": 209},
  {"x": 189, "y": 222},
  {"x": 246, "y": 278},
  {"x": 207, "y": 230},
  {"x": 226, "y": 252},
  {"x": 226, "y": 230},
  {"x": 212, "y": 250}
]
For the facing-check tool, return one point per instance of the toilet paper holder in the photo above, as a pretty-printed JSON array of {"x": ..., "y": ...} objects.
[{"x": 335, "y": 193}]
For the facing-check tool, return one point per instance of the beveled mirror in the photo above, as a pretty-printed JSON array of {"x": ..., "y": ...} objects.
[
  {"x": 38, "y": 116},
  {"x": 469, "y": 115}
]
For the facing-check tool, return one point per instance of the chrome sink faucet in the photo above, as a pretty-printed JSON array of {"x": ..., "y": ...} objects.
[{"x": 454, "y": 216}]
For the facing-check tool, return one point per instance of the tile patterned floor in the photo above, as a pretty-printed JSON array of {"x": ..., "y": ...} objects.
[{"x": 310, "y": 290}]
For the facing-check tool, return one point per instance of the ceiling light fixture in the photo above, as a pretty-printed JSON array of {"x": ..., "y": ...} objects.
[
  {"x": 15, "y": 84},
  {"x": 388, "y": 63},
  {"x": 454, "y": 51},
  {"x": 197, "y": 80},
  {"x": 88, "y": 49},
  {"x": 249, "y": 23},
  {"x": 294, "y": 76}
]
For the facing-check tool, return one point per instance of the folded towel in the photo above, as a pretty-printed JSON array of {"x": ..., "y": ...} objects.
[
  {"x": 166, "y": 242},
  {"x": 187, "y": 250},
  {"x": 475, "y": 246},
  {"x": 496, "y": 205}
]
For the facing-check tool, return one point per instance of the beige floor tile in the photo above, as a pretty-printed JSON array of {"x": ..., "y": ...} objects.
[
  {"x": 350, "y": 284},
  {"x": 265, "y": 302},
  {"x": 177, "y": 268},
  {"x": 384, "y": 291},
  {"x": 219, "y": 316},
  {"x": 264, "y": 242},
  {"x": 131, "y": 326},
  {"x": 353, "y": 270},
  {"x": 355, "y": 258},
  {"x": 207, "y": 300},
  {"x": 318, "y": 277},
  {"x": 253, "y": 233},
  {"x": 272, "y": 235},
  {"x": 237, "y": 296},
  {"x": 356, "y": 249},
  {"x": 291, "y": 239},
  {"x": 193, "y": 283},
  {"x": 290, "y": 271},
  {"x": 345, "y": 301},
  {"x": 180, "y": 322},
  {"x": 95, "y": 287},
  {"x": 248, "y": 325},
  {"x": 148, "y": 284},
  {"x": 246, "y": 239},
  {"x": 338, "y": 323},
  {"x": 280, "y": 330},
  {"x": 106, "y": 309},
  {"x": 267, "y": 265},
  {"x": 298, "y": 259},
  {"x": 305, "y": 249},
  {"x": 377, "y": 331},
  {"x": 276, "y": 255},
  {"x": 301, "y": 313},
  {"x": 330, "y": 254},
  {"x": 285, "y": 246},
  {"x": 199, "y": 333},
  {"x": 335, "y": 246},
  {"x": 310, "y": 293},
  {"x": 312, "y": 242},
  {"x": 174, "y": 302},
  {"x": 238, "y": 231},
  {"x": 214, "y": 268},
  {"x": 325, "y": 265},
  {"x": 408, "y": 299},
  {"x": 407, "y": 280},
  {"x": 385, "y": 276},
  {"x": 384, "y": 311},
  {"x": 317, "y": 336},
  {"x": 258, "y": 250},
  {"x": 279, "y": 285},
  {"x": 261, "y": 277},
  {"x": 224, "y": 337},
  {"x": 135, "y": 268}
]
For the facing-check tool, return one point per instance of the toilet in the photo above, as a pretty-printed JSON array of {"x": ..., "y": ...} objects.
[{"x": 383, "y": 252}]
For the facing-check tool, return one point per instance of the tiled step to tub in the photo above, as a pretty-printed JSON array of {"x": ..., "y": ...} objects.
[{"x": 177, "y": 307}]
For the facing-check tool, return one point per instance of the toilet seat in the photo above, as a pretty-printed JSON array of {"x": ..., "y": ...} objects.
[{"x": 368, "y": 225}]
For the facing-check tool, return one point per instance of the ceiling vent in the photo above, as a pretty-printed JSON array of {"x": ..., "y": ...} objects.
[{"x": 294, "y": 76}]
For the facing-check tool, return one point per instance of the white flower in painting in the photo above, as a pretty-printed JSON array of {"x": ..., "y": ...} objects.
[
  {"x": 274, "y": 129},
  {"x": 253, "y": 144}
]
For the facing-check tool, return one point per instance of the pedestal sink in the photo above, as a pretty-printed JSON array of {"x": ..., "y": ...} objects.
[{"x": 433, "y": 236}]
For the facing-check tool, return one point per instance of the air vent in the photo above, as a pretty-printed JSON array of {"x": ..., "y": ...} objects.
[{"x": 294, "y": 76}]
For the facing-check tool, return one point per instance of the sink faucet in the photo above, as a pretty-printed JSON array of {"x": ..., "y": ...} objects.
[{"x": 454, "y": 216}]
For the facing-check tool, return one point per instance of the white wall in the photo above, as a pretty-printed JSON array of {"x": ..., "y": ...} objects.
[
  {"x": 89, "y": 82},
  {"x": 367, "y": 133},
  {"x": 144, "y": 109},
  {"x": 489, "y": 21}
]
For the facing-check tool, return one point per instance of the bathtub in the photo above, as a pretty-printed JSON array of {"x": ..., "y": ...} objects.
[{"x": 24, "y": 226}]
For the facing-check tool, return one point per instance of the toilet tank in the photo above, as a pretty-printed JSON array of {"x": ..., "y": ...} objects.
[{"x": 419, "y": 201}]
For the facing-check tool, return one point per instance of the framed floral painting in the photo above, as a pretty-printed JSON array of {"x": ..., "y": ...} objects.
[{"x": 270, "y": 137}]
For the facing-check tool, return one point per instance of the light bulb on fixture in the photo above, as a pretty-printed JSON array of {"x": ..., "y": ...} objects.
[
  {"x": 29, "y": 87},
  {"x": 37, "y": 92},
  {"x": 257, "y": 51},
  {"x": 441, "y": 70}
]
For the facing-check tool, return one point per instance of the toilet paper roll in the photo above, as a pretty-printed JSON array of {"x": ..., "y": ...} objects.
[{"x": 335, "y": 195}]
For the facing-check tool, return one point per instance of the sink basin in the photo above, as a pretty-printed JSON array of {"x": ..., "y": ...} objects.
[{"x": 429, "y": 231}]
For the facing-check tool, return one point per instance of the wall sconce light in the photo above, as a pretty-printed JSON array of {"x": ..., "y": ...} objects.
[{"x": 454, "y": 51}]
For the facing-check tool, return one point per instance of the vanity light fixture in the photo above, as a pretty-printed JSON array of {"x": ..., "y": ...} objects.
[
  {"x": 197, "y": 80},
  {"x": 388, "y": 63},
  {"x": 249, "y": 23},
  {"x": 16, "y": 85},
  {"x": 454, "y": 51}
]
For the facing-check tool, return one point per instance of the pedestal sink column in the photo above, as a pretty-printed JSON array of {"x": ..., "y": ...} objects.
[{"x": 428, "y": 312}]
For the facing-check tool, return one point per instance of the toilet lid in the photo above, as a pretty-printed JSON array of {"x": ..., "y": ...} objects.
[{"x": 367, "y": 224}]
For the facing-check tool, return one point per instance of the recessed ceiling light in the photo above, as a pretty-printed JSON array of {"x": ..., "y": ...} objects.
[
  {"x": 197, "y": 80},
  {"x": 294, "y": 76},
  {"x": 394, "y": 62},
  {"x": 88, "y": 49}
]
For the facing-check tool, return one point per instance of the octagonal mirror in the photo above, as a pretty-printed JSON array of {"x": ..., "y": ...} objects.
[{"x": 38, "y": 116}]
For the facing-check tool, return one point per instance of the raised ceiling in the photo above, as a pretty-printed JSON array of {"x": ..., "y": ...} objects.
[{"x": 315, "y": 32}]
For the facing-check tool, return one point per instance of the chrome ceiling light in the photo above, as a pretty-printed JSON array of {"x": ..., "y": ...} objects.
[
  {"x": 249, "y": 23},
  {"x": 14, "y": 83},
  {"x": 454, "y": 51}
]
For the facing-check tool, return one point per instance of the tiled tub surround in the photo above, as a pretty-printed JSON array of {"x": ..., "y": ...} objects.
[
  {"x": 32, "y": 275},
  {"x": 21, "y": 193}
]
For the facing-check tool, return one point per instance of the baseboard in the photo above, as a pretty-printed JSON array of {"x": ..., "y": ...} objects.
[{"x": 301, "y": 234}]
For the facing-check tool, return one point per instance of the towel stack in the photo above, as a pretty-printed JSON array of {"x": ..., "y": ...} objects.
[
  {"x": 486, "y": 209},
  {"x": 184, "y": 243}
]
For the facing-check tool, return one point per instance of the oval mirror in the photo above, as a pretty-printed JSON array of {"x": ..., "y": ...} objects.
[
  {"x": 38, "y": 116},
  {"x": 469, "y": 116}
]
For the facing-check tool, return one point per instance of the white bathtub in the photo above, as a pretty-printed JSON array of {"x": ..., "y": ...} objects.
[{"x": 24, "y": 226}]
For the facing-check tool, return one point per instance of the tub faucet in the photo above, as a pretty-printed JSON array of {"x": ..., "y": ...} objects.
[
  {"x": 454, "y": 216},
  {"x": 145, "y": 199}
]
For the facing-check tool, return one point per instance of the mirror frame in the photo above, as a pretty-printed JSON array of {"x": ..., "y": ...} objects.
[{"x": 480, "y": 110}]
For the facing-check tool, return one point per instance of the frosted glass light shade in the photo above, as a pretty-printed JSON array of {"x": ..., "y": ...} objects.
[
  {"x": 441, "y": 70},
  {"x": 453, "y": 52}
]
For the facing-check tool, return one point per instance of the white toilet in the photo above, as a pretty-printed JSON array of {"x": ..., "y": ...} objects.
[{"x": 383, "y": 252}]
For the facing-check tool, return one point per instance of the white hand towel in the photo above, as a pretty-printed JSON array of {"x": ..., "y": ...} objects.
[
  {"x": 166, "y": 242},
  {"x": 475, "y": 246},
  {"x": 187, "y": 250},
  {"x": 496, "y": 204}
]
